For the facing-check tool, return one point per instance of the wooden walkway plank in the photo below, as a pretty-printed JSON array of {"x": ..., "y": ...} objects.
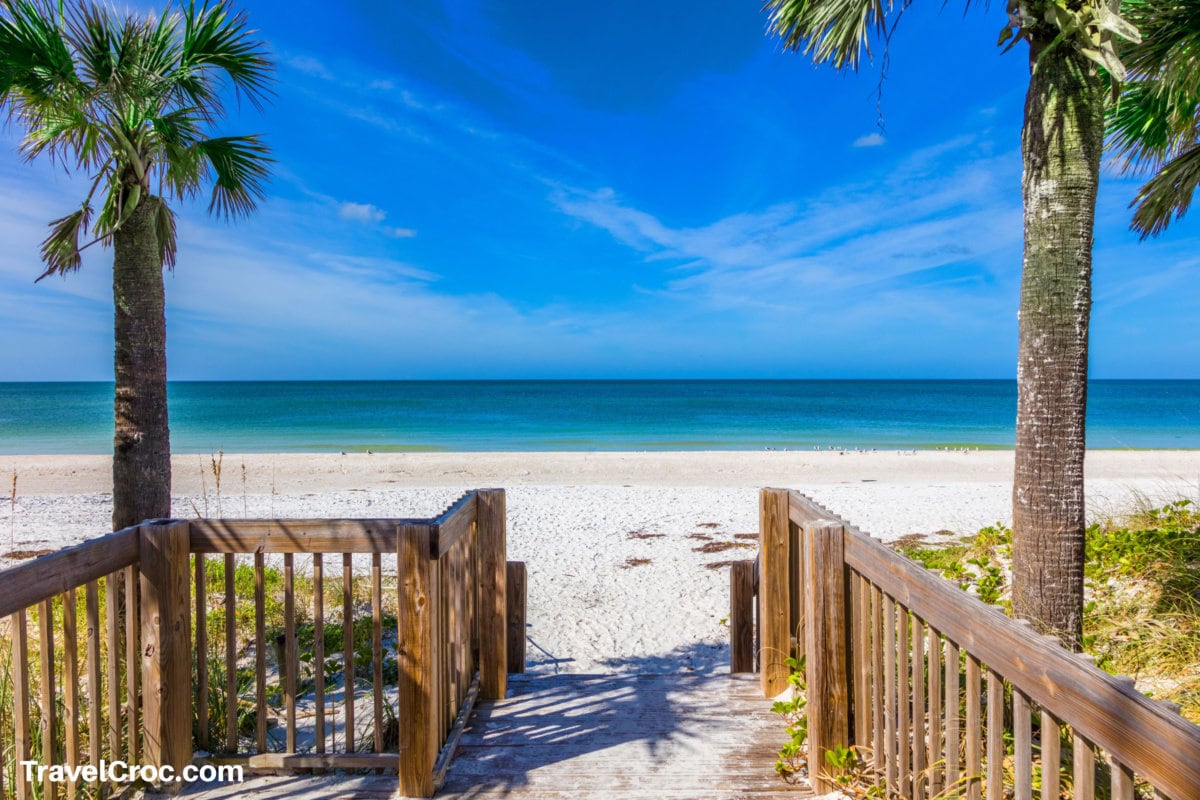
[{"x": 570, "y": 737}]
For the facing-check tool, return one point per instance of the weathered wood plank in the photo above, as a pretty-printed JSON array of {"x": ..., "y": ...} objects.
[
  {"x": 112, "y": 626},
  {"x": 919, "y": 739},
  {"x": 70, "y": 683},
  {"x": 974, "y": 729},
  {"x": 1048, "y": 734},
  {"x": 493, "y": 628},
  {"x": 134, "y": 662},
  {"x": 937, "y": 768},
  {"x": 49, "y": 704},
  {"x": 1084, "y": 763},
  {"x": 515, "y": 591},
  {"x": 904, "y": 702},
  {"x": 995, "y": 735},
  {"x": 891, "y": 737},
  {"x": 231, "y": 698},
  {"x": 1022, "y": 747},
  {"x": 294, "y": 535},
  {"x": 319, "y": 648},
  {"x": 741, "y": 616},
  {"x": 414, "y": 653},
  {"x": 290, "y": 660},
  {"x": 201, "y": 591},
  {"x": 33, "y": 581},
  {"x": 454, "y": 524},
  {"x": 774, "y": 605},
  {"x": 22, "y": 743},
  {"x": 951, "y": 753},
  {"x": 95, "y": 691},
  {"x": 827, "y": 645},
  {"x": 377, "y": 651},
  {"x": 260, "y": 656},
  {"x": 166, "y": 633},
  {"x": 348, "y": 651}
]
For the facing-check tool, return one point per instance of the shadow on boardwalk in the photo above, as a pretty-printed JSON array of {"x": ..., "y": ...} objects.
[{"x": 638, "y": 732}]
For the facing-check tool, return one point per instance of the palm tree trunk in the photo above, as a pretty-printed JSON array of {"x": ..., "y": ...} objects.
[
  {"x": 141, "y": 439},
  {"x": 1061, "y": 143}
]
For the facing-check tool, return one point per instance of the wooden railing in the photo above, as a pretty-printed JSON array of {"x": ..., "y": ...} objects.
[
  {"x": 69, "y": 682},
  {"x": 142, "y": 693},
  {"x": 936, "y": 690}
]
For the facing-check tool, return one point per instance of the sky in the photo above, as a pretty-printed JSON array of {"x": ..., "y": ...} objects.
[{"x": 510, "y": 189}]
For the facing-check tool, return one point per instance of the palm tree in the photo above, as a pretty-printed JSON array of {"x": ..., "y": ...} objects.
[
  {"x": 1061, "y": 142},
  {"x": 130, "y": 102},
  {"x": 1155, "y": 126}
]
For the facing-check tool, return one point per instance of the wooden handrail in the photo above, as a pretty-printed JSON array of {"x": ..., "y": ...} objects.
[
  {"x": 857, "y": 596},
  {"x": 42, "y": 578},
  {"x": 1140, "y": 733}
]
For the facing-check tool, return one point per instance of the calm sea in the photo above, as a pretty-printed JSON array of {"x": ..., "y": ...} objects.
[{"x": 588, "y": 415}]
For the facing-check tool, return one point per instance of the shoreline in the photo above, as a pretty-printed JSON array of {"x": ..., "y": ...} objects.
[
  {"x": 611, "y": 540},
  {"x": 287, "y": 472}
]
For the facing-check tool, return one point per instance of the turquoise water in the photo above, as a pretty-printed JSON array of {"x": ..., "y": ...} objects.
[{"x": 588, "y": 415}]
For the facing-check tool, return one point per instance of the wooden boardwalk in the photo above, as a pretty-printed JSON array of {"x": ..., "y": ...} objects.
[{"x": 570, "y": 737}]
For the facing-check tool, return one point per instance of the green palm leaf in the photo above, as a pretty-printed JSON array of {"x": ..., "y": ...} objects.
[
  {"x": 834, "y": 31},
  {"x": 61, "y": 249},
  {"x": 241, "y": 166},
  {"x": 1168, "y": 194}
]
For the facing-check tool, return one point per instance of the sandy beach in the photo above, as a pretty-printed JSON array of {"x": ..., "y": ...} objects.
[{"x": 623, "y": 549}]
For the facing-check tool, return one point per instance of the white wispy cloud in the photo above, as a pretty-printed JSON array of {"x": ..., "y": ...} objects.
[
  {"x": 870, "y": 140},
  {"x": 361, "y": 212},
  {"x": 935, "y": 211}
]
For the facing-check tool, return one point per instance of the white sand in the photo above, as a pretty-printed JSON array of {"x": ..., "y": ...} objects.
[{"x": 570, "y": 516}]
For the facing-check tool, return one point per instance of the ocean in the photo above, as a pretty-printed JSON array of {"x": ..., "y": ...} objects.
[{"x": 323, "y": 416}]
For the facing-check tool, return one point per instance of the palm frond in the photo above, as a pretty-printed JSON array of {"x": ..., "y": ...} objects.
[
  {"x": 1168, "y": 194},
  {"x": 833, "y": 31},
  {"x": 164, "y": 229},
  {"x": 241, "y": 166},
  {"x": 93, "y": 37},
  {"x": 34, "y": 57},
  {"x": 60, "y": 249},
  {"x": 1145, "y": 126},
  {"x": 215, "y": 38},
  {"x": 1169, "y": 51}
]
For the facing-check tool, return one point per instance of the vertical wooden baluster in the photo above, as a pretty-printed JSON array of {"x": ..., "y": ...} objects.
[
  {"x": 319, "y": 646},
  {"x": 1085, "y": 767},
  {"x": 995, "y": 736},
  {"x": 113, "y": 631},
  {"x": 904, "y": 704},
  {"x": 231, "y": 685},
  {"x": 974, "y": 730},
  {"x": 260, "y": 657},
  {"x": 290, "y": 661},
  {"x": 1121, "y": 780},
  {"x": 348, "y": 649},
  {"x": 918, "y": 709},
  {"x": 891, "y": 733},
  {"x": 1022, "y": 747},
  {"x": 201, "y": 584},
  {"x": 1050, "y": 732},
  {"x": 377, "y": 648},
  {"x": 22, "y": 744},
  {"x": 133, "y": 663},
  {"x": 861, "y": 616},
  {"x": 71, "y": 687},
  {"x": 951, "y": 752},
  {"x": 934, "y": 667},
  {"x": 49, "y": 702},
  {"x": 95, "y": 689},
  {"x": 878, "y": 680}
]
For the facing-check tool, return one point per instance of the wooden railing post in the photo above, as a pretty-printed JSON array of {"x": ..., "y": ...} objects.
[
  {"x": 827, "y": 632},
  {"x": 774, "y": 606},
  {"x": 515, "y": 588},
  {"x": 741, "y": 617},
  {"x": 415, "y": 654},
  {"x": 493, "y": 611},
  {"x": 166, "y": 647}
]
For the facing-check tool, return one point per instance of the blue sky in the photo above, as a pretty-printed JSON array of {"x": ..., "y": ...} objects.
[{"x": 623, "y": 189}]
